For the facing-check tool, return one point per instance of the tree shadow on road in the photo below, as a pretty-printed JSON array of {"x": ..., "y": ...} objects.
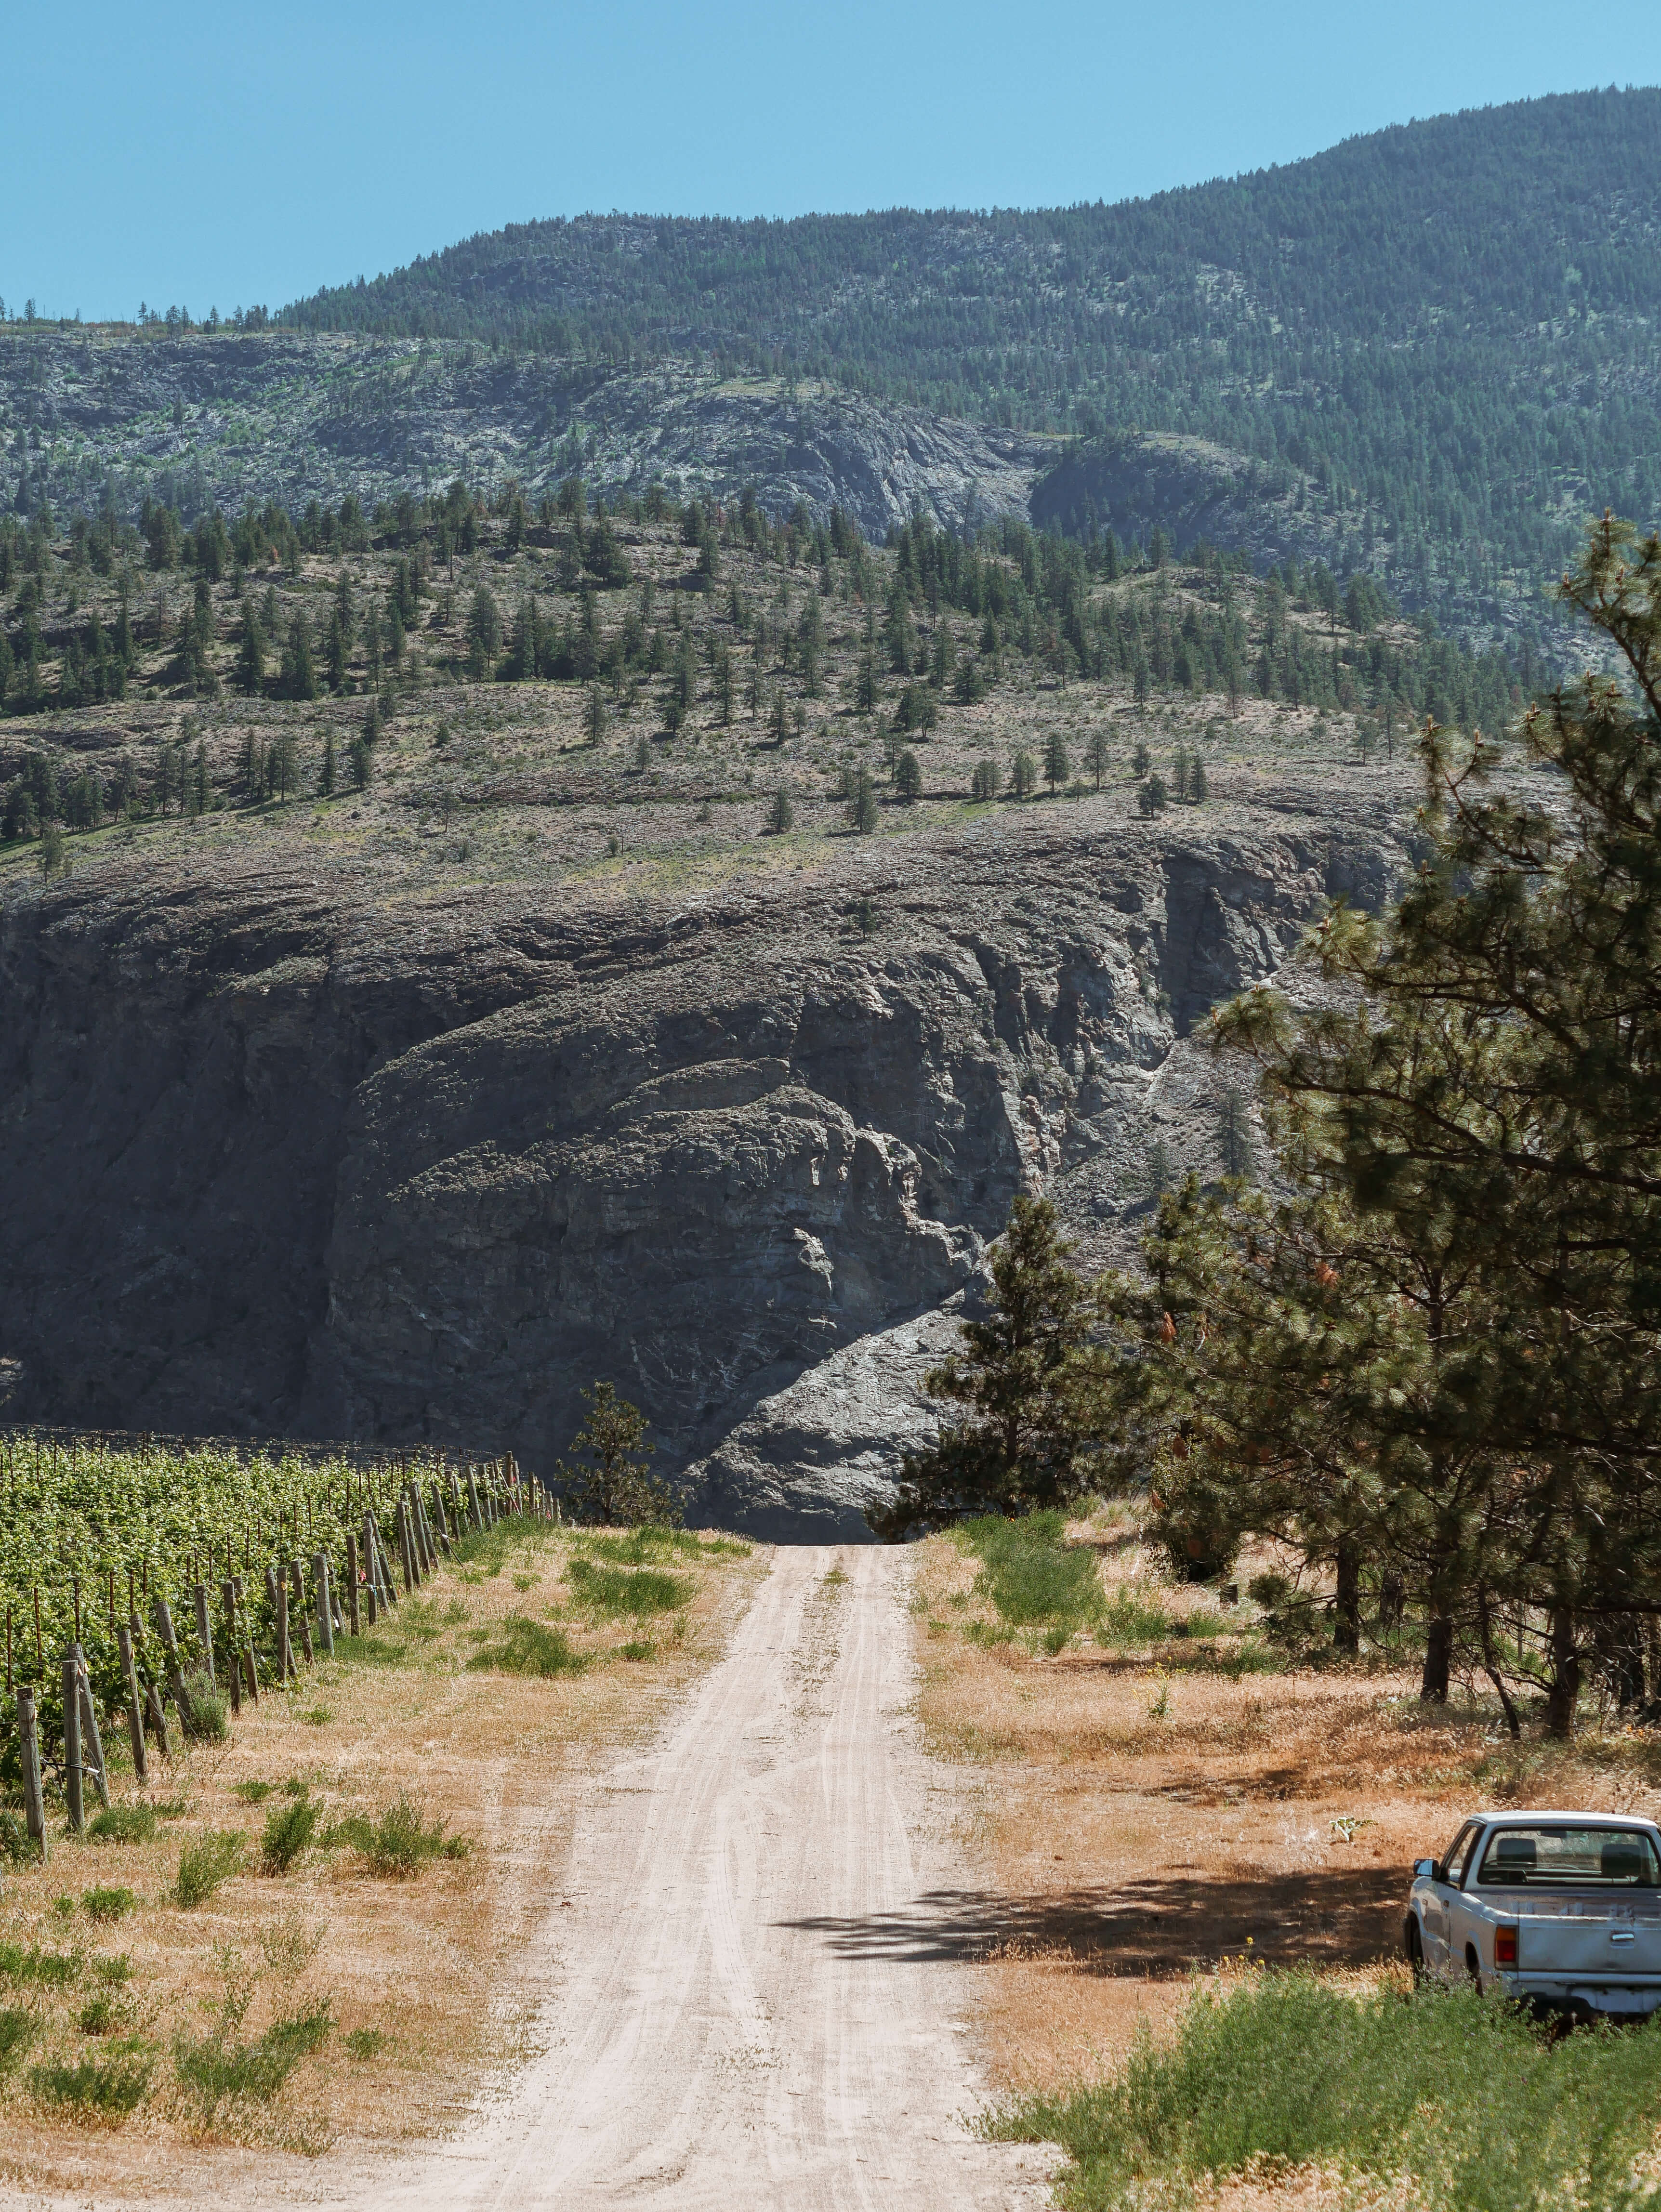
[{"x": 1325, "y": 1916}]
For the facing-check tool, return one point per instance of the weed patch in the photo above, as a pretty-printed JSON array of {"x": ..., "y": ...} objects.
[
  {"x": 1032, "y": 1576},
  {"x": 106, "y": 1904},
  {"x": 107, "y": 2090},
  {"x": 366, "y": 2042},
  {"x": 205, "y": 1709},
  {"x": 399, "y": 1844},
  {"x": 17, "y": 2031},
  {"x": 251, "y": 1793},
  {"x": 1464, "y": 2099},
  {"x": 630, "y": 1595},
  {"x": 523, "y": 1646},
  {"x": 17, "y": 1846},
  {"x": 122, "y": 1824},
  {"x": 218, "y": 2067},
  {"x": 205, "y": 1864},
  {"x": 50, "y": 1969},
  {"x": 288, "y": 1831}
]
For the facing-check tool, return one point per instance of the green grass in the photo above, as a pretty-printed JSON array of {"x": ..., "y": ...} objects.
[
  {"x": 628, "y": 1595},
  {"x": 17, "y": 1846},
  {"x": 101, "y": 2089},
  {"x": 251, "y": 1793},
  {"x": 204, "y": 1863},
  {"x": 642, "y": 1546},
  {"x": 123, "y": 1824},
  {"x": 1464, "y": 2100},
  {"x": 523, "y": 1646},
  {"x": 218, "y": 2067},
  {"x": 205, "y": 1709},
  {"x": 107, "y": 1904},
  {"x": 1132, "y": 1615},
  {"x": 115, "y": 1972},
  {"x": 100, "y": 2015},
  {"x": 367, "y": 2042},
  {"x": 288, "y": 1830}
]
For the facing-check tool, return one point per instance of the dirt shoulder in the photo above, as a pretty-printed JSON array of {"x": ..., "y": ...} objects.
[
  {"x": 417, "y": 1976},
  {"x": 1154, "y": 1806}
]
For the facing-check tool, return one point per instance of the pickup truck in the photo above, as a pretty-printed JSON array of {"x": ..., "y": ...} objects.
[{"x": 1560, "y": 1910}]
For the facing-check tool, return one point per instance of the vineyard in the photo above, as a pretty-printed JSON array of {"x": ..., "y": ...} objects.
[{"x": 245, "y": 1551}]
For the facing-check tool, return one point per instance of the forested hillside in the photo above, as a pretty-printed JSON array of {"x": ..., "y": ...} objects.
[{"x": 1446, "y": 329}]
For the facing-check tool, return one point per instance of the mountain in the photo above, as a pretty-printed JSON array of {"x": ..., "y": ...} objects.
[{"x": 1445, "y": 330}]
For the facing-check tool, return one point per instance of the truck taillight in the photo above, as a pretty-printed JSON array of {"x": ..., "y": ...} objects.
[{"x": 1505, "y": 1947}]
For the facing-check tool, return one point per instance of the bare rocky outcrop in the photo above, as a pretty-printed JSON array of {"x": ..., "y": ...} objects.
[
  {"x": 275, "y": 1162},
  {"x": 231, "y": 418}
]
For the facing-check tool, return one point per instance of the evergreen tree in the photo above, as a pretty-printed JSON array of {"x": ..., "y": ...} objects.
[
  {"x": 908, "y": 778},
  {"x": 325, "y": 778},
  {"x": 1056, "y": 765},
  {"x": 299, "y": 670},
  {"x": 1024, "y": 775},
  {"x": 1099, "y": 753},
  {"x": 610, "y": 1480},
  {"x": 983, "y": 784},
  {"x": 780, "y": 815},
  {"x": 864, "y": 811},
  {"x": 1022, "y": 1380}
]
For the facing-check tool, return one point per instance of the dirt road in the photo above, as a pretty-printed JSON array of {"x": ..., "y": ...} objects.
[{"x": 747, "y": 2005}]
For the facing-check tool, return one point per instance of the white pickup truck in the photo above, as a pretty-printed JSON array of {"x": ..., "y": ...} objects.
[{"x": 1561, "y": 1910}]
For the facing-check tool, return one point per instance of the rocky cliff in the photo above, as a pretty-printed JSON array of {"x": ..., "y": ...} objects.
[{"x": 276, "y": 1160}]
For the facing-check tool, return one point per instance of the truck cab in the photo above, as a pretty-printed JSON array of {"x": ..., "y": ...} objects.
[{"x": 1561, "y": 1910}]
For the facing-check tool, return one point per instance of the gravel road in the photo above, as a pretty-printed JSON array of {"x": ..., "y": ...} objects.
[{"x": 750, "y": 2000}]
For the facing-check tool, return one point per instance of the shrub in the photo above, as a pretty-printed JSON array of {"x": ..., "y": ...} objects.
[
  {"x": 1465, "y": 2101},
  {"x": 205, "y": 1709},
  {"x": 217, "y": 2066},
  {"x": 108, "y": 2089},
  {"x": 251, "y": 1793},
  {"x": 288, "y": 1830},
  {"x": 123, "y": 1824},
  {"x": 107, "y": 1905},
  {"x": 523, "y": 1646},
  {"x": 628, "y": 1595},
  {"x": 99, "y": 2015},
  {"x": 114, "y": 1971},
  {"x": 205, "y": 1864},
  {"x": 366, "y": 2041}
]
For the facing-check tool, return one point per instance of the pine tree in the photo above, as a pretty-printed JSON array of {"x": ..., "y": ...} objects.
[
  {"x": 864, "y": 811},
  {"x": 908, "y": 778},
  {"x": 593, "y": 716},
  {"x": 780, "y": 815},
  {"x": 611, "y": 1481},
  {"x": 1056, "y": 765},
  {"x": 326, "y": 779},
  {"x": 1099, "y": 753},
  {"x": 983, "y": 784},
  {"x": 1024, "y": 775},
  {"x": 1022, "y": 1442}
]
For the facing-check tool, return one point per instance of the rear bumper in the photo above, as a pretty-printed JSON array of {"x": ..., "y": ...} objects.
[{"x": 1582, "y": 1997}]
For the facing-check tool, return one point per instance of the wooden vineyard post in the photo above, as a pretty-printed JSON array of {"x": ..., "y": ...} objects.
[
  {"x": 351, "y": 1583},
  {"x": 156, "y": 1713},
  {"x": 233, "y": 1668},
  {"x": 250, "y": 1665},
  {"x": 285, "y": 1665},
  {"x": 325, "y": 1615},
  {"x": 91, "y": 1734},
  {"x": 134, "y": 1708},
  {"x": 170, "y": 1645},
  {"x": 205, "y": 1630},
  {"x": 476, "y": 1513},
  {"x": 28, "y": 1740},
  {"x": 406, "y": 1557},
  {"x": 438, "y": 1514},
  {"x": 72, "y": 1796},
  {"x": 297, "y": 1569},
  {"x": 427, "y": 1546}
]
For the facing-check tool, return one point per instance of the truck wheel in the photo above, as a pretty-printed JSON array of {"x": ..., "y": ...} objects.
[
  {"x": 1474, "y": 1967},
  {"x": 1412, "y": 1944}
]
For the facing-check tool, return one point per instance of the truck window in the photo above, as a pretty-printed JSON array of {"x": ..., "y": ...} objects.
[
  {"x": 1454, "y": 1859},
  {"x": 1581, "y": 1858}
]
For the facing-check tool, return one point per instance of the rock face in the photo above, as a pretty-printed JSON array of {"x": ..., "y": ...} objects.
[
  {"x": 231, "y": 419},
  {"x": 274, "y": 1164}
]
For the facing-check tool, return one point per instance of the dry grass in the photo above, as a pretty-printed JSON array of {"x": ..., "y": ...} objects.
[
  {"x": 420, "y": 1976},
  {"x": 1147, "y": 1814}
]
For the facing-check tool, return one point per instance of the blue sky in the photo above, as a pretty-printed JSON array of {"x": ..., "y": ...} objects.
[{"x": 221, "y": 154}]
